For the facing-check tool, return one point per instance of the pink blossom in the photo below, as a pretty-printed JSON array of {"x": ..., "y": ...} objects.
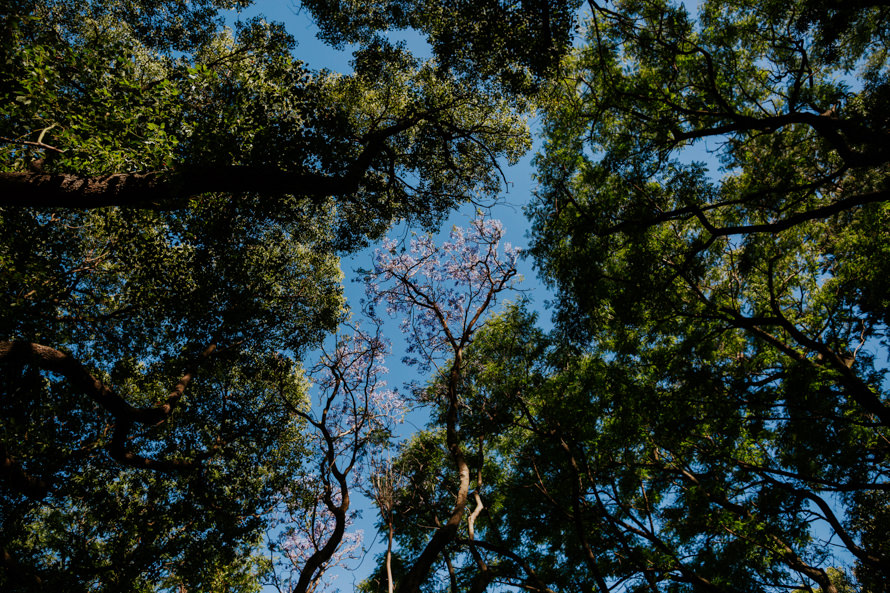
[{"x": 441, "y": 291}]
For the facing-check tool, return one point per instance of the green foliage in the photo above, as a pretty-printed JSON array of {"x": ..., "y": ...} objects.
[
  {"x": 712, "y": 402},
  {"x": 518, "y": 44},
  {"x": 740, "y": 305},
  {"x": 397, "y": 139},
  {"x": 103, "y": 526}
]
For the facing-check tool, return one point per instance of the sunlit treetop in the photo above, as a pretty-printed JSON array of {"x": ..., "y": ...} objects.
[{"x": 95, "y": 114}]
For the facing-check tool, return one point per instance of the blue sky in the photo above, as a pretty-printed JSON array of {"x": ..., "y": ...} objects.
[{"x": 515, "y": 196}]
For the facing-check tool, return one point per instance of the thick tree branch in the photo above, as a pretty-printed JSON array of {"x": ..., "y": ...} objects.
[
  {"x": 821, "y": 212},
  {"x": 162, "y": 190},
  {"x": 125, "y": 414},
  {"x": 418, "y": 573},
  {"x": 171, "y": 189}
]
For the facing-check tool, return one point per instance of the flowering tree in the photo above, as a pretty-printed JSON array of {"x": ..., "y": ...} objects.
[
  {"x": 354, "y": 410},
  {"x": 310, "y": 530},
  {"x": 442, "y": 292}
]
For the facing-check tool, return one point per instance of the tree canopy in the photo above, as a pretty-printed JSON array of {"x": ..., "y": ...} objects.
[
  {"x": 709, "y": 412},
  {"x": 728, "y": 320}
]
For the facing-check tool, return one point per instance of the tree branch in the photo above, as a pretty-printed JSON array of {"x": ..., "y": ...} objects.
[
  {"x": 171, "y": 189},
  {"x": 124, "y": 413}
]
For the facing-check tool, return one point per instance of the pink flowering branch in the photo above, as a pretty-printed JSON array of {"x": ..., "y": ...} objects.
[
  {"x": 353, "y": 408},
  {"x": 442, "y": 294},
  {"x": 306, "y": 539}
]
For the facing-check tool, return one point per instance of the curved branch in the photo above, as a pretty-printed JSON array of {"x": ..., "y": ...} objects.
[
  {"x": 446, "y": 533},
  {"x": 535, "y": 583},
  {"x": 125, "y": 414},
  {"x": 864, "y": 556},
  {"x": 162, "y": 190},
  {"x": 831, "y": 209}
]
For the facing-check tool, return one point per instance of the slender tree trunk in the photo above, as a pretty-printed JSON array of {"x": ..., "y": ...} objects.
[
  {"x": 389, "y": 583},
  {"x": 446, "y": 533}
]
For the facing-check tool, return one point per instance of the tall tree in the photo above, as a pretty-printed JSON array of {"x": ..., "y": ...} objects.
[
  {"x": 711, "y": 413},
  {"x": 443, "y": 293},
  {"x": 355, "y": 414},
  {"x": 96, "y": 114}
]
